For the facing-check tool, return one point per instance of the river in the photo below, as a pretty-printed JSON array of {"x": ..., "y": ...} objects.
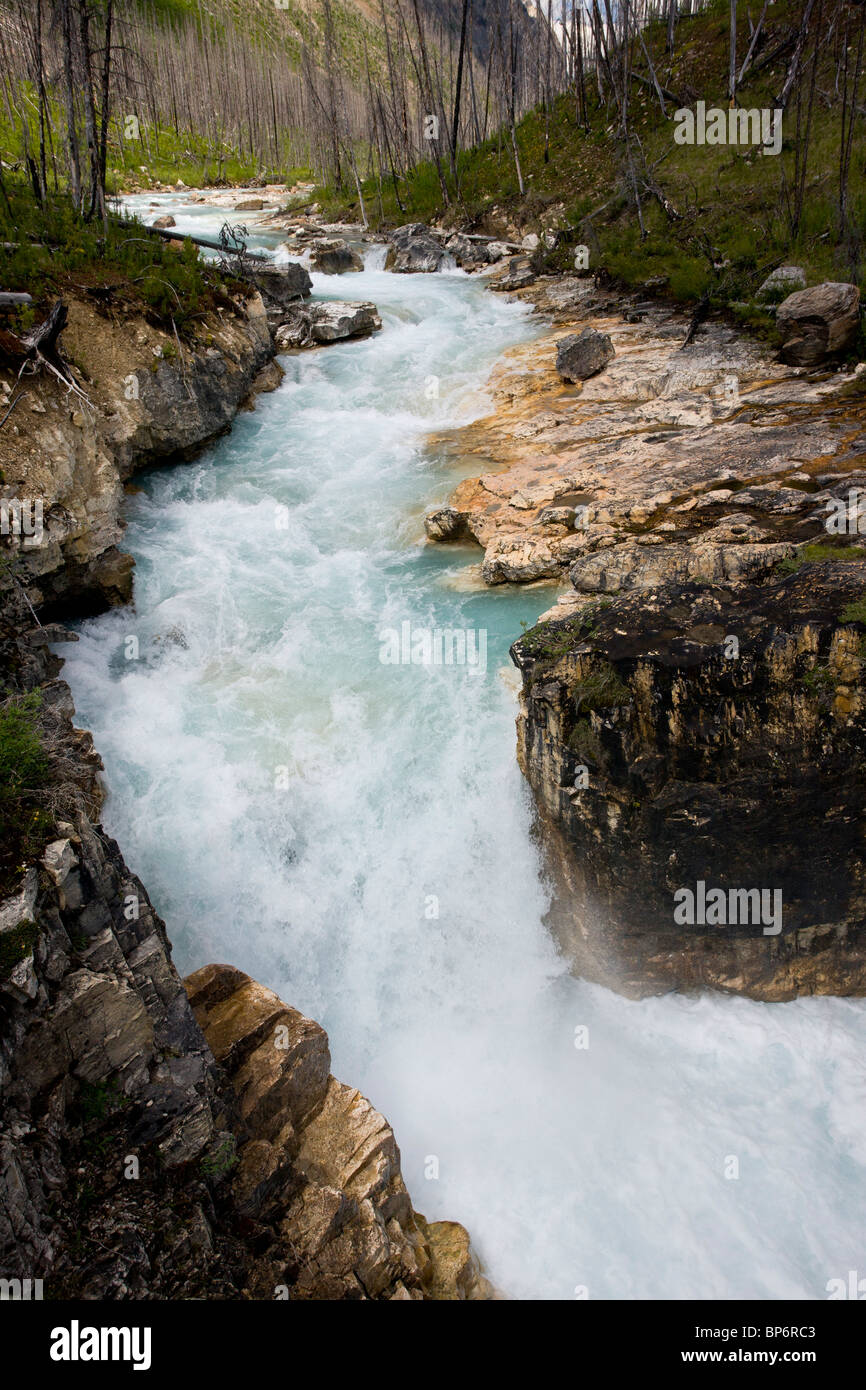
[{"x": 356, "y": 835}]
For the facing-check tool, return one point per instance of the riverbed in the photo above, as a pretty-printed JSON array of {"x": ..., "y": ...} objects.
[{"x": 354, "y": 832}]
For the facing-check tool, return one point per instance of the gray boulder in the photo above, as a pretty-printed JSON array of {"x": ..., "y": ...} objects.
[
  {"x": 818, "y": 323},
  {"x": 785, "y": 280},
  {"x": 335, "y": 257},
  {"x": 582, "y": 355},
  {"x": 445, "y": 524},
  {"x": 282, "y": 286},
  {"x": 414, "y": 250}
]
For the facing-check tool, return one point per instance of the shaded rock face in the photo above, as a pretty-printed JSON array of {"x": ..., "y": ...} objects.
[
  {"x": 335, "y": 257},
  {"x": 414, "y": 250},
  {"x": 582, "y": 355},
  {"x": 818, "y": 323},
  {"x": 329, "y": 322},
  {"x": 663, "y": 756}
]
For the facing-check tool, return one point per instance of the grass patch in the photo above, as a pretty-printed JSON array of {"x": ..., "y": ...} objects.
[
  {"x": 600, "y": 688},
  {"x": 16, "y": 945},
  {"x": 585, "y": 742},
  {"x": 854, "y": 612},
  {"x": 24, "y": 772},
  {"x": 812, "y": 554}
]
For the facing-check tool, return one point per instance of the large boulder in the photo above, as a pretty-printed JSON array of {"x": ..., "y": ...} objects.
[
  {"x": 166, "y": 221},
  {"x": 283, "y": 285},
  {"x": 582, "y": 355},
  {"x": 818, "y": 323},
  {"x": 329, "y": 322},
  {"x": 414, "y": 250},
  {"x": 340, "y": 319},
  {"x": 249, "y": 205},
  {"x": 335, "y": 257}
]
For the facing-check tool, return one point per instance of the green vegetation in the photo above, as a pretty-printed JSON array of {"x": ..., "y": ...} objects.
[
  {"x": 99, "y": 1101},
  {"x": 54, "y": 249},
  {"x": 15, "y": 945},
  {"x": 585, "y": 742},
  {"x": 23, "y": 778},
  {"x": 599, "y": 688},
  {"x": 854, "y": 612},
  {"x": 220, "y": 1161},
  {"x": 812, "y": 554},
  {"x": 709, "y": 220}
]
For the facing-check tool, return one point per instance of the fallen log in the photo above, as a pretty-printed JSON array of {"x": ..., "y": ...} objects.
[{"x": 209, "y": 242}]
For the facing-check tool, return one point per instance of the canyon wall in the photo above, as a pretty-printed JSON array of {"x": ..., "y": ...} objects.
[{"x": 159, "y": 1138}]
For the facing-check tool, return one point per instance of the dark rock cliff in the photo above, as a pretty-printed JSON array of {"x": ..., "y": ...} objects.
[{"x": 685, "y": 735}]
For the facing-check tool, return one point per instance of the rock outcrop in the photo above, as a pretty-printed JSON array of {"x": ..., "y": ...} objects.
[
  {"x": 689, "y": 739},
  {"x": 152, "y": 399},
  {"x": 516, "y": 274},
  {"x": 694, "y": 461},
  {"x": 322, "y": 1162}
]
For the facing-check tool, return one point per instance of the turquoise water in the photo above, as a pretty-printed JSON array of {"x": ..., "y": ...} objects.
[{"x": 357, "y": 836}]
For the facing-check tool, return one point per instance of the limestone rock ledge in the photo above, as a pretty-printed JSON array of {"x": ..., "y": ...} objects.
[{"x": 321, "y": 1164}]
